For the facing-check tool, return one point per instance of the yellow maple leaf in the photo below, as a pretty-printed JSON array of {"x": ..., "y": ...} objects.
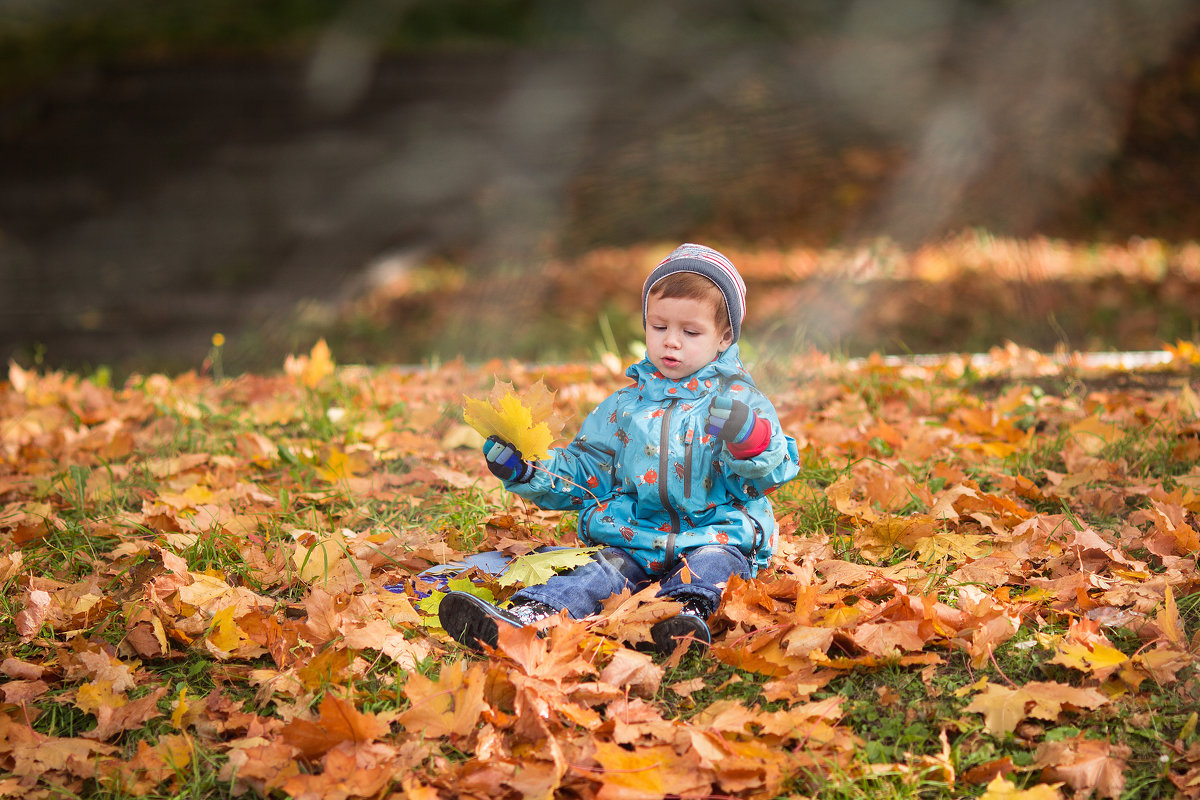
[
  {"x": 316, "y": 560},
  {"x": 339, "y": 466},
  {"x": 536, "y": 568},
  {"x": 312, "y": 368},
  {"x": 1099, "y": 658},
  {"x": 1169, "y": 621},
  {"x": 1003, "y": 707},
  {"x": 95, "y": 694},
  {"x": 640, "y": 773},
  {"x": 1002, "y": 789},
  {"x": 1094, "y": 434},
  {"x": 223, "y": 633},
  {"x": 954, "y": 546},
  {"x": 1183, "y": 353},
  {"x": 175, "y": 750},
  {"x": 525, "y": 420}
]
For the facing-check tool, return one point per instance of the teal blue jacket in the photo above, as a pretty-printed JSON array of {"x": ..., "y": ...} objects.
[{"x": 646, "y": 477}]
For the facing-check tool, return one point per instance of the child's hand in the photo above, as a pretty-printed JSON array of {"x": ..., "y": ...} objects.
[
  {"x": 730, "y": 420},
  {"x": 505, "y": 461}
]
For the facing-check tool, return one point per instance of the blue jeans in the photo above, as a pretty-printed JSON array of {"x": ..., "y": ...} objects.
[{"x": 611, "y": 571}]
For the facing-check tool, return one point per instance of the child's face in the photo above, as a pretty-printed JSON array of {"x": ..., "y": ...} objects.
[{"x": 682, "y": 335}]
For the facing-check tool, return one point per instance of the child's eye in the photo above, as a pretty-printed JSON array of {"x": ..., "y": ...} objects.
[{"x": 692, "y": 333}]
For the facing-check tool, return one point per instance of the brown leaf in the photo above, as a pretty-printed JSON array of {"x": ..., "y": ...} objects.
[
  {"x": 30, "y": 619},
  {"x": 634, "y": 671},
  {"x": 338, "y": 721},
  {"x": 1086, "y": 765},
  {"x": 17, "y": 669},
  {"x": 449, "y": 705},
  {"x": 342, "y": 777},
  {"x": 20, "y": 692},
  {"x": 113, "y": 720},
  {"x": 260, "y": 764},
  {"x": 980, "y": 774}
]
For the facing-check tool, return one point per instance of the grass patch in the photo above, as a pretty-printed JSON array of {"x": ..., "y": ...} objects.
[{"x": 153, "y": 541}]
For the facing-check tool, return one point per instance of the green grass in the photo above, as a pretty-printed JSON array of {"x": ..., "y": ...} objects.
[{"x": 901, "y": 715}]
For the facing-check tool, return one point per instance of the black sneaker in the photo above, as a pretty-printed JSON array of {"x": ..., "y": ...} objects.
[
  {"x": 669, "y": 633},
  {"x": 530, "y": 611},
  {"x": 473, "y": 621},
  {"x": 696, "y": 605}
]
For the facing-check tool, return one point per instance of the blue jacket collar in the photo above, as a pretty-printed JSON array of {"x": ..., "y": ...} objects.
[{"x": 653, "y": 385}]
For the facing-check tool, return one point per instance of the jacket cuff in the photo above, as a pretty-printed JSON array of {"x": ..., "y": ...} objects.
[{"x": 758, "y": 441}]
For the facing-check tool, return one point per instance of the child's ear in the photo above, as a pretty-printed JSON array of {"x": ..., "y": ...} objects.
[{"x": 726, "y": 340}]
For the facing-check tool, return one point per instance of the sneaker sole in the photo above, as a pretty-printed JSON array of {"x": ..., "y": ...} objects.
[
  {"x": 471, "y": 621},
  {"x": 668, "y": 634}
]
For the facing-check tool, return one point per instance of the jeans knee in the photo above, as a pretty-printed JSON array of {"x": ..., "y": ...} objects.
[
  {"x": 728, "y": 557},
  {"x": 619, "y": 560}
]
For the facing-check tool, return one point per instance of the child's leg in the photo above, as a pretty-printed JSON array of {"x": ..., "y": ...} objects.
[
  {"x": 697, "y": 582},
  {"x": 582, "y": 590},
  {"x": 703, "y": 573},
  {"x": 475, "y": 622}
]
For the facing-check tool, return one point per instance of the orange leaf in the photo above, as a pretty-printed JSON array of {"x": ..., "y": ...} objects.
[
  {"x": 339, "y": 722},
  {"x": 447, "y": 706},
  {"x": 342, "y": 777},
  {"x": 1086, "y": 765},
  {"x": 1169, "y": 621},
  {"x": 647, "y": 773}
]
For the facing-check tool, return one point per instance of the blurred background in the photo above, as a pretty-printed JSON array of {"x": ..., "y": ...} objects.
[{"x": 419, "y": 180}]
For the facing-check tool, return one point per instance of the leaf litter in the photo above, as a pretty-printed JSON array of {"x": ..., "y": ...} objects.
[{"x": 194, "y": 571}]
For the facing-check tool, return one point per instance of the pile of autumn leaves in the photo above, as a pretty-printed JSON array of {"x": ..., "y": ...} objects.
[{"x": 356, "y": 693}]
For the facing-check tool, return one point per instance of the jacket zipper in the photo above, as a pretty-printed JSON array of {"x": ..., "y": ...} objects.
[
  {"x": 664, "y": 460},
  {"x": 687, "y": 464}
]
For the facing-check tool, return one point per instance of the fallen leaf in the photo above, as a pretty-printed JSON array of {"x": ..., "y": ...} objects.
[
  {"x": 536, "y": 568},
  {"x": 338, "y": 721},
  {"x": 1002, "y": 789},
  {"x": 310, "y": 370},
  {"x": 446, "y": 706},
  {"x": 1003, "y": 707},
  {"x": 1086, "y": 765},
  {"x": 647, "y": 773}
]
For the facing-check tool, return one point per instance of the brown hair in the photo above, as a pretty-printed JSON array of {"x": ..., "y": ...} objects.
[{"x": 694, "y": 286}]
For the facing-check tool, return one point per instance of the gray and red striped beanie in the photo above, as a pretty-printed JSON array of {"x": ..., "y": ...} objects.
[{"x": 712, "y": 265}]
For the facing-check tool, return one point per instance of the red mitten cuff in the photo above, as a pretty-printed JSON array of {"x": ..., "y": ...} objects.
[{"x": 758, "y": 440}]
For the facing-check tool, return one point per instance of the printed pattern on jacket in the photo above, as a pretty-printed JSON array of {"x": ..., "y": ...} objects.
[{"x": 656, "y": 483}]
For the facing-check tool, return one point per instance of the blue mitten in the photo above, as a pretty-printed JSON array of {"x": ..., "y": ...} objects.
[
  {"x": 505, "y": 461},
  {"x": 730, "y": 420}
]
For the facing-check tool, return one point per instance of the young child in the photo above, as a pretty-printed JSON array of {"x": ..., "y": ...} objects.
[{"x": 669, "y": 474}]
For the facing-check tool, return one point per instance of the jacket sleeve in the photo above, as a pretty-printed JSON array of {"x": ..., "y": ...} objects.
[
  {"x": 774, "y": 466},
  {"x": 582, "y": 471}
]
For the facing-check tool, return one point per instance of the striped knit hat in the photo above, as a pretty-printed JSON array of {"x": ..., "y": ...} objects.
[{"x": 712, "y": 265}]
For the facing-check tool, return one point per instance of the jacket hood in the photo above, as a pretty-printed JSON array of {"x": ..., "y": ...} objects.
[{"x": 653, "y": 385}]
